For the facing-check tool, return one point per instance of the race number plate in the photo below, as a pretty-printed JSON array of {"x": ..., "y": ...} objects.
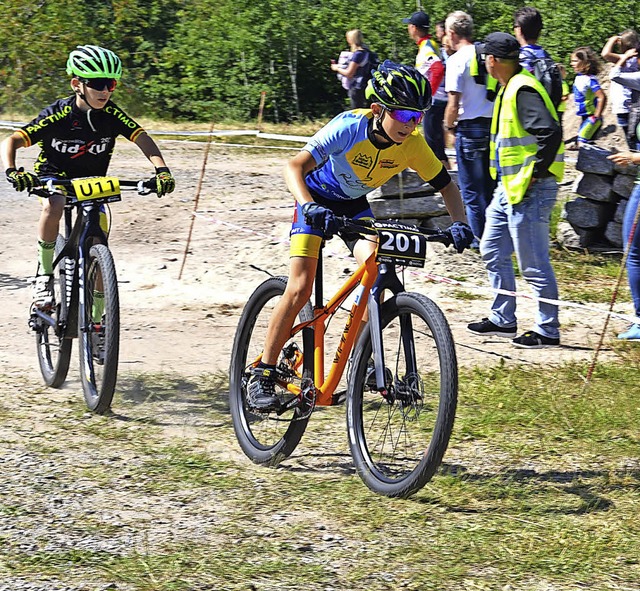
[
  {"x": 96, "y": 187},
  {"x": 401, "y": 244}
]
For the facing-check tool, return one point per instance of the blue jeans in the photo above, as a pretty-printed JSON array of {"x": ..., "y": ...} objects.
[
  {"x": 633, "y": 258},
  {"x": 476, "y": 184},
  {"x": 524, "y": 229},
  {"x": 433, "y": 129}
]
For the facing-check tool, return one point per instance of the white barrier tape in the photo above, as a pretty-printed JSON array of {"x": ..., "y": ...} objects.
[
  {"x": 526, "y": 296},
  {"x": 448, "y": 280}
]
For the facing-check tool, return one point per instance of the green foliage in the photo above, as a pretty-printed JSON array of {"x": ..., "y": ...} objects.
[{"x": 211, "y": 59}]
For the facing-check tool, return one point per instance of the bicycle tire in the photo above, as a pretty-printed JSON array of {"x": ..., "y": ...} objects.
[
  {"x": 397, "y": 446},
  {"x": 99, "y": 341},
  {"x": 265, "y": 438},
  {"x": 52, "y": 344}
]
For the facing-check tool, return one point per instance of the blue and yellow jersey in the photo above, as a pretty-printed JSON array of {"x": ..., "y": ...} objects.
[
  {"x": 76, "y": 143},
  {"x": 349, "y": 165},
  {"x": 584, "y": 94}
]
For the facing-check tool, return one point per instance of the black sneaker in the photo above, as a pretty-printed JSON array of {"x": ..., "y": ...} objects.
[
  {"x": 261, "y": 391},
  {"x": 488, "y": 329},
  {"x": 533, "y": 340}
]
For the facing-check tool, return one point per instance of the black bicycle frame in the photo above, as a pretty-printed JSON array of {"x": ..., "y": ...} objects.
[{"x": 79, "y": 236}]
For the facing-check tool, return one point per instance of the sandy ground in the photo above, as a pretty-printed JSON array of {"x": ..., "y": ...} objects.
[{"x": 186, "y": 324}]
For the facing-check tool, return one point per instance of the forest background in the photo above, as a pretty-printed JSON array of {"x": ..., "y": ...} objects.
[{"x": 205, "y": 60}]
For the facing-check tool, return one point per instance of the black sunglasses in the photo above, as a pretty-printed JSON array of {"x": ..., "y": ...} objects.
[{"x": 100, "y": 83}]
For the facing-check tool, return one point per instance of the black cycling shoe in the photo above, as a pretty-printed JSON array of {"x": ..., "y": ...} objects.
[{"x": 261, "y": 391}]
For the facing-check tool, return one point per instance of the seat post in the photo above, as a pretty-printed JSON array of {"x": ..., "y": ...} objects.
[{"x": 319, "y": 280}]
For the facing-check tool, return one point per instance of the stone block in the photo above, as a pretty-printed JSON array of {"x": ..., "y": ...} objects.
[
  {"x": 409, "y": 207},
  {"x": 613, "y": 233},
  {"x": 619, "y": 214},
  {"x": 586, "y": 214},
  {"x": 575, "y": 237},
  {"x": 593, "y": 160},
  {"x": 406, "y": 183},
  {"x": 623, "y": 185},
  {"x": 595, "y": 186},
  {"x": 441, "y": 222}
]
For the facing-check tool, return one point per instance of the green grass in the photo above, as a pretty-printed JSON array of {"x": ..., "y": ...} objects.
[
  {"x": 589, "y": 278},
  {"x": 539, "y": 489}
]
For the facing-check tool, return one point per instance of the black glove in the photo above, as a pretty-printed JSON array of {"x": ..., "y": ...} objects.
[
  {"x": 461, "y": 235},
  {"x": 320, "y": 218},
  {"x": 165, "y": 183},
  {"x": 21, "y": 180}
]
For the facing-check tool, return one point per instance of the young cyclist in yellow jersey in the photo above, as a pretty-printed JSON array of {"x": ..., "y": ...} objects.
[
  {"x": 352, "y": 155},
  {"x": 77, "y": 135}
]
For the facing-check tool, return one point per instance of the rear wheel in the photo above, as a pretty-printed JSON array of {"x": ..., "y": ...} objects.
[
  {"x": 397, "y": 440},
  {"x": 99, "y": 329},
  {"x": 54, "y": 350},
  {"x": 266, "y": 438}
]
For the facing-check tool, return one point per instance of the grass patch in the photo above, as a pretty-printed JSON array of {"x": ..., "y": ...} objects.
[
  {"x": 464, "y": 295},
  {"x": 539, "y": 489},
  {"x": 588, "y": 278}
]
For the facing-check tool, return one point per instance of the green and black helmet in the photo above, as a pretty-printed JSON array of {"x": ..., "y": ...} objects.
[
  {"x": 399, "y": 87},
  {"x": 91, "y": 61}
]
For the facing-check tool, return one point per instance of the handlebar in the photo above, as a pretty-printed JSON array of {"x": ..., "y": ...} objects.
[
  {"x": 52, "y": 187},
  {"x": 368, "y": 226}
]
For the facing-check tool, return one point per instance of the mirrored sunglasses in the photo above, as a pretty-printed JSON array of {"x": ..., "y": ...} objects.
[
  {"x": 405, "y": 115},
  {"x": 100, "y": 83}
]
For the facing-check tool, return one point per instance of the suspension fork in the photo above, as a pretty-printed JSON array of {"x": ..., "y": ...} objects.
[{"x": 387, "y": 279}]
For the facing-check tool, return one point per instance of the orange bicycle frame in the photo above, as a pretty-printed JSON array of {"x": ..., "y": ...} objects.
[{"x": 361, "y": 281}]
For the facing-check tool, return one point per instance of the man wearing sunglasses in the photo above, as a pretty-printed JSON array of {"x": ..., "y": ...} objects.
[
  {"x": 348, "y": 158},
  {"x": 77, "y": 136}
]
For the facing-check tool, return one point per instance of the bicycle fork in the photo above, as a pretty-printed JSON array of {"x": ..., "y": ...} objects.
[{"x": 387, "y": 279}]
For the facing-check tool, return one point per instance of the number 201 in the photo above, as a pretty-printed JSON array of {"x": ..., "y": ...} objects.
[{"x": 397, "y": 241}]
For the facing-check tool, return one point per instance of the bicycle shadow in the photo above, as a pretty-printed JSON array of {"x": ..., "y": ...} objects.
[
  {"x": 188, "y": 396},
  {"x": 11, "y": 282},
  {"x": 571, "y": 482}
]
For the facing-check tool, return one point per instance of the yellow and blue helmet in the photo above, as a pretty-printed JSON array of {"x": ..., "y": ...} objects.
[{"x": 399, "y": 87}]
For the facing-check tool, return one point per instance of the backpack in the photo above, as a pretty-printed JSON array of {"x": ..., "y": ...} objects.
[
  {"x": 548, "y": 74},
  {"x": 373, "y": 61}
]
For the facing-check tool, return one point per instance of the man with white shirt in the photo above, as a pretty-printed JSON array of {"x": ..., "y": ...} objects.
[{"x": 468, "y": 115}]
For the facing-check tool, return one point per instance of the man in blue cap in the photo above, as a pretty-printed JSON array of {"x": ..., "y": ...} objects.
[{"x": 430, "y": 65}]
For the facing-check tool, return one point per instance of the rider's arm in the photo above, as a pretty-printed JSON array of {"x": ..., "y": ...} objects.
[
  {"x": 9, "y": 147},
  {"x": 150, "y": 149},
  {"x": 295, "y": 172},
  {"x": 453, "y": 202}
]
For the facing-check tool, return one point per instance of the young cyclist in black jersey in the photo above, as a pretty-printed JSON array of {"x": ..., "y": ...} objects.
[
  {"x": 77, "y": 135},
  {"x": 353, "y": 154}
]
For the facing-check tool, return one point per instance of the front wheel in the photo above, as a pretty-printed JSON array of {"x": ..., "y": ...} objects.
[
  {"x": 397, "y": 440},
  {"x": 266, "y": 438},
  {"x": 53, "y": 342},
  {"x": 99, "y": 329}
]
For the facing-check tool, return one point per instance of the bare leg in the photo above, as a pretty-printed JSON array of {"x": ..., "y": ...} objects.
[
  {"x": 50, "y": 215},
  {"x": 302, "y": 271}
]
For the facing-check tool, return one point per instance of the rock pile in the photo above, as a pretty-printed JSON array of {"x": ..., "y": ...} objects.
[{"x": 595, "y": 216}]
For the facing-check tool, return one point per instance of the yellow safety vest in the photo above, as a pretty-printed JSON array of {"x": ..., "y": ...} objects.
[{"x": 516, "y": 147}]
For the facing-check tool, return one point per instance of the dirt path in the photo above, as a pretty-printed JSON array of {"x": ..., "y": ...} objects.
[{"x": 187, "y": 325}]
